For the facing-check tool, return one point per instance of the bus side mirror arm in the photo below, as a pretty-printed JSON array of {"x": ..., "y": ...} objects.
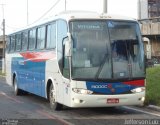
[{"x": 67, "y": 46}]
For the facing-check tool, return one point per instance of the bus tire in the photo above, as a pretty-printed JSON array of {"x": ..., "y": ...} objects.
[
  {"x": 17, "y": 91},
  {"x": 53, "y": 104}
]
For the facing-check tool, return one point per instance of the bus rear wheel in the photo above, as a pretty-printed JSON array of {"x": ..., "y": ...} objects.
[
  {"x": 17, "y": 91},
  {"x": 53, "y": 104}
]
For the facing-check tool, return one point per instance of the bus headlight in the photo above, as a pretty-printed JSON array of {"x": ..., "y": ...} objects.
[
  {"x": 82, "y": 91},
  {"x": 137, "y": 90}
]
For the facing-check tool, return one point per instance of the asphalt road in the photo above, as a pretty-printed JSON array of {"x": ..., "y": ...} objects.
[{"x": 33, "y": 110}]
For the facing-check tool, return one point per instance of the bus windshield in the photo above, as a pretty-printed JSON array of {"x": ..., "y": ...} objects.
[{"x": 106, "y": 50}]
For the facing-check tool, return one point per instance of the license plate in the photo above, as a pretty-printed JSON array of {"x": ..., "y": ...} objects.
[{"x": 112, "y": 100}]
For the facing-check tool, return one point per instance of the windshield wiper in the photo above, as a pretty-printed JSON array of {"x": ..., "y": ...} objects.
[{"x": 101, "y": 66}]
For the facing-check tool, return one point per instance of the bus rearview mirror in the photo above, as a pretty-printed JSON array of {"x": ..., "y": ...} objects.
[{"x": 148, "y": 48}]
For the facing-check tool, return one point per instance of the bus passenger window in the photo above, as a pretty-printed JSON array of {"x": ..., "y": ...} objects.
[
  {"x": 18, "y": 42},
  {"x": 51, "y": 36},
  {"x": 8, "y": 44},
  {"x": 12, "y": 43},
  {"x": 32, "y": 39},
  {"x": 41, "y": 38},
  {"x": 24, "y": 41}
]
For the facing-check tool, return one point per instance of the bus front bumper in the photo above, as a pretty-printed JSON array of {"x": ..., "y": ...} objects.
[{"x": 80, "y": 100}]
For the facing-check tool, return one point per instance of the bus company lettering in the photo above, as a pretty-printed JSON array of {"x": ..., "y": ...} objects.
[{"x": 99, "y": 86}]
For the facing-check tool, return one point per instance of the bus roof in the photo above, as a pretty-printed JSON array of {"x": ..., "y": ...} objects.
[{"x": 69, "y": 15}]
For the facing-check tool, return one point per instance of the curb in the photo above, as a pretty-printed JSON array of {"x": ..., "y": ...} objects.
[{"x": 153, "y": 107}]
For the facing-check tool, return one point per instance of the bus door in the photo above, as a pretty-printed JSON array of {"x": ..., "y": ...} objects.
[{"x": 62, "y": 34}]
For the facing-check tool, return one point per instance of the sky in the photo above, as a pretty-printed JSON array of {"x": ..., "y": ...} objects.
[{"x": 15, "y": 11}]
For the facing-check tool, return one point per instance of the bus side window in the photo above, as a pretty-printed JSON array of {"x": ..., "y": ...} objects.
[
  {"x": 18, "y": 42},
  {"x": 41, "y": 37},
  {"x": 24, "y": 41},
  {"x": 12, "y": 43},
  {"x": 32, "y": 39},
  {"x": 51, "y": 36}
]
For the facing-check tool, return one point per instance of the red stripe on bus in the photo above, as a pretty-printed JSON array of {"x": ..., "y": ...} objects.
[
  {"x": 38, "y": 56},
  {"x": 136, "y": 83}
]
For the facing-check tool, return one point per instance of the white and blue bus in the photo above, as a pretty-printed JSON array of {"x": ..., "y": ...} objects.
[{"x": 79, "y": 59}]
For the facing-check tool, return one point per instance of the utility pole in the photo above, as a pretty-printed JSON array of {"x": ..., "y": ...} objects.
[
  {"x": 65, "y": 4},
  {"x": 105, "y": 6},
  {"x": 3, "y": 52},
  {"x": 27, "y": 14}
]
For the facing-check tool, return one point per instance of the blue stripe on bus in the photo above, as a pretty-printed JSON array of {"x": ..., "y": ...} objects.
[
  {"x": 30, "y": 75},
  {"x": 109, "y": 88}
]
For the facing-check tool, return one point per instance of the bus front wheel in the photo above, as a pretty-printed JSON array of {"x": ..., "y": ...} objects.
[{"x": 53, "y": 104}]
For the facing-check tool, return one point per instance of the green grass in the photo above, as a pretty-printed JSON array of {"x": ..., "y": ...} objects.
[{"x": 153, "y": 86}]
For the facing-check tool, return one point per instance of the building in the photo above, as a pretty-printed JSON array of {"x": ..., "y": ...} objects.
[
  {"x": 150, "y": 25},
  {"x": 151, "y": 29},
  {"x": 153, "y": 8},
  {"x": 148, "y": 9}
]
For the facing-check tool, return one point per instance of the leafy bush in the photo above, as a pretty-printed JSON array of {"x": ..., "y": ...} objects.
[{"x": 153, "y": 86}]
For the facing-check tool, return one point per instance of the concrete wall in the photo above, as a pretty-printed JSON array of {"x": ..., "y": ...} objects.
[
  {"x": 150, "y": 28},
  {"x": 142, "y": 9},
  {"x": 155, "y": 46}
]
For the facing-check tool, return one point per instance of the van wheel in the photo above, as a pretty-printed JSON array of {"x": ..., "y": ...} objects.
[
  {"x": 53, "y": 104},
  {"x": 17, "y": 91}
]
